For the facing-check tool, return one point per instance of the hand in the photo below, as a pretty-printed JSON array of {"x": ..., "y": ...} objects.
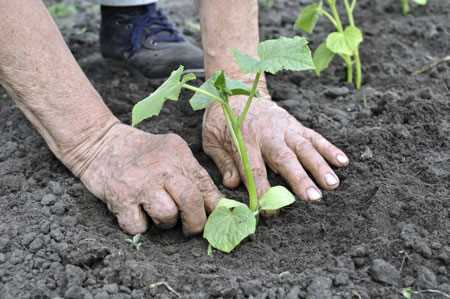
[
  {"x": 136, "y": 173},
  {"x": 274, "y": 136}
]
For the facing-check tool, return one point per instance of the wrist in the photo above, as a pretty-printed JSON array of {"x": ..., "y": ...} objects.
[{"x": 81, "y": 150}]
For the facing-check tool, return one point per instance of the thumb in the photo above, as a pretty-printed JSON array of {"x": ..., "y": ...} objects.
[{"x": 225, "y": 162}]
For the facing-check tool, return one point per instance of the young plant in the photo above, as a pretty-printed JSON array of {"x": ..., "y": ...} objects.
[
  {"x": 405, "y": 5},
  {"x": 344, "y": 42},
  {"x": 136, "y": 242},
  {"x": 232, "y": 221}
]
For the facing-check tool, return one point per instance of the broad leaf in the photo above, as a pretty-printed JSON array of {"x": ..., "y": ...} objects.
[
  {"x": 276, "y": 198},
  {"x": 353, "y": 37},
  {"x": 229, "y": 203},
  {"x": 246, "y": 63},
  {"x": 152, "y": 105},
  {"x": 337, "y": 44},
  {"x": 322, "y": 58},
  {"x": 276, "y": 55},
  {"x": 227, "y": 227},
  {"x": 421, "y": 2},
  {"x": 308, "y": 17},
  {"x": 346, "y": 42},
  {"x": 200, "y": 101}
]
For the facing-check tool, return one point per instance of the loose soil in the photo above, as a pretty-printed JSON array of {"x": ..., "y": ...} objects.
[{"x": 386, "y": 228}]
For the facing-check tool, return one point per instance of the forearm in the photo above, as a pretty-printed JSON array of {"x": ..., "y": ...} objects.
[
  {"x": 227, "y": 25},
  {"x": 41, "y": 75}
]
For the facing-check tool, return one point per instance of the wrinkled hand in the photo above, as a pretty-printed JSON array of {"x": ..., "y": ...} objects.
[
  {"x": 136, "y": 173},
  {"x": 274, "y": 136}
]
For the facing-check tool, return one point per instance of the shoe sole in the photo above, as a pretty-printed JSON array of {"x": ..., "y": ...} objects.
[{"x": 200, "y": 73}]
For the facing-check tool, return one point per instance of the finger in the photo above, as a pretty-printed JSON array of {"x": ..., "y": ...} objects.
[
  {"x": 132, "y": 219},
  {"x": 256, "y": 163},
  {"x": 331, "y": 153},
  {"x": 162, "y": 209},
  {"x": 190, "y": 203},
  {"x": 313, "y": 161},
  {"x": 224, "y": 161},
  {"x": 206, "y": 186},
  {"x": 283, "y": 161}
]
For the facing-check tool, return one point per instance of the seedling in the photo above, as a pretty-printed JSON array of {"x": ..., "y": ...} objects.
[
  {"x": 405, "y": 5},
  {"x": 344, "y": 42},
  {"x": 232, "y": 221},
  {"x": 136, "y": 242}
]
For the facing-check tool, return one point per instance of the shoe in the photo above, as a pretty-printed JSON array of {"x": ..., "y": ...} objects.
[{"x": 144, "y": 39}]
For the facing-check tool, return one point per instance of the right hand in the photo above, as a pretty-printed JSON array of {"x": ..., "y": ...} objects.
[{"x": 137, "y": 173}]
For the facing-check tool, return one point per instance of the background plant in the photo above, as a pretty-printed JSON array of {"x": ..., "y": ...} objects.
[
  {"x": 344, "y": 42},
  {"x": 405, "y": 4},
  {"x": 232, "y": 221}
]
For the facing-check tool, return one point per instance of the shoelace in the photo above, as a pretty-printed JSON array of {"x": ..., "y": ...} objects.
[{"x": 155, "y": 22}]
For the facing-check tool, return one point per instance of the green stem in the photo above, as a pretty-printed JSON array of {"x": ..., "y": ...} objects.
[
  {"x": 349, "y": 12},
  {"x": 250, "y": 99},
  {"x": 251, "y": 186},
  {"x": 405, "y": 7},
  {"x": 204, "y": 92},
  {"x": 336, "y": 17},
  {"x": 358, "y": 70},
  {"x": 330, "y": 17}
]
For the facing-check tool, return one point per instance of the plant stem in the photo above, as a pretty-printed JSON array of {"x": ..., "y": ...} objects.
[
  {"x": 250, "y": 99},
  {"x": 330, "y": 17},
  {"x": 358, "y": 71},
  {"x": 405, "y": 6},
  {"x": 251, "y": 186},
  {"x": 336, "y": 17}
]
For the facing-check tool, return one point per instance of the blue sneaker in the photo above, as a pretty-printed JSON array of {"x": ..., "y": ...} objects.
[{"x": 144, "y": 39}]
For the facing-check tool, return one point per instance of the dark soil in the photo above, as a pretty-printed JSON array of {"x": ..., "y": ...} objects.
[{"x": 386, "y": 228}]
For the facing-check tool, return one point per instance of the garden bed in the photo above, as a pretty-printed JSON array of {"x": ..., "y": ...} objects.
[{"x": 386, "y": 228}]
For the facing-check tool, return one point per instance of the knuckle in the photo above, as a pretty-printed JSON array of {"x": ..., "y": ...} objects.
[
  {"x": 303, "y": 145},
  {"x": 281, "y": 156}
]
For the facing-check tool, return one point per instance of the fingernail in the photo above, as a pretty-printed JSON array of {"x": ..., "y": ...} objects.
[
  {"x": 342, "y": 159},
  {"x": 331, "y": 179},
  {"x": 313, "y": 194}
]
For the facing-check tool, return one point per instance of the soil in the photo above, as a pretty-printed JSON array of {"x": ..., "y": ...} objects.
[{"x": 385, "y": 229}]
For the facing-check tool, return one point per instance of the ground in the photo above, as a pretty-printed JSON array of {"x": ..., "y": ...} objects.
[{"x": 386, "y": 228}]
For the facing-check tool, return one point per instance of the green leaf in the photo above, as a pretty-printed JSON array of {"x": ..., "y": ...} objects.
[
  {"x": 337, "y": 44},
  {"x": 229, "y": 224},
  {"x": 276, "y": 198},
  {"x": 188, "y": 77},
  {"x": 421, "y": 2},
  {"x": 308, "y": 17},
  {"x": 230, "y": 203},
  {"x": 346, "y": 42},
  {"x": 322, "y": 58},
  {"x": 353, "y": 37},
  {"x": 152, "y": 105},
  {"x": 246, "y": 63},
  {"x": 407, "y": 293},
  {"x": 276, "y": 55},
  {"x": 200, "y": 101},
  {"x": 236, "y": 87}
]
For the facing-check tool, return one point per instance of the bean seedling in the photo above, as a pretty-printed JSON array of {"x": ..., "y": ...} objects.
[
  {"x": 344, "y": 42},
  {"x": 232, "y": 221},
  {"x": 405, "y": 5}
]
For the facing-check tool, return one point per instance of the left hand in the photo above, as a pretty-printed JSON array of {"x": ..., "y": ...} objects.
[{"x": 272, "y": 135}]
